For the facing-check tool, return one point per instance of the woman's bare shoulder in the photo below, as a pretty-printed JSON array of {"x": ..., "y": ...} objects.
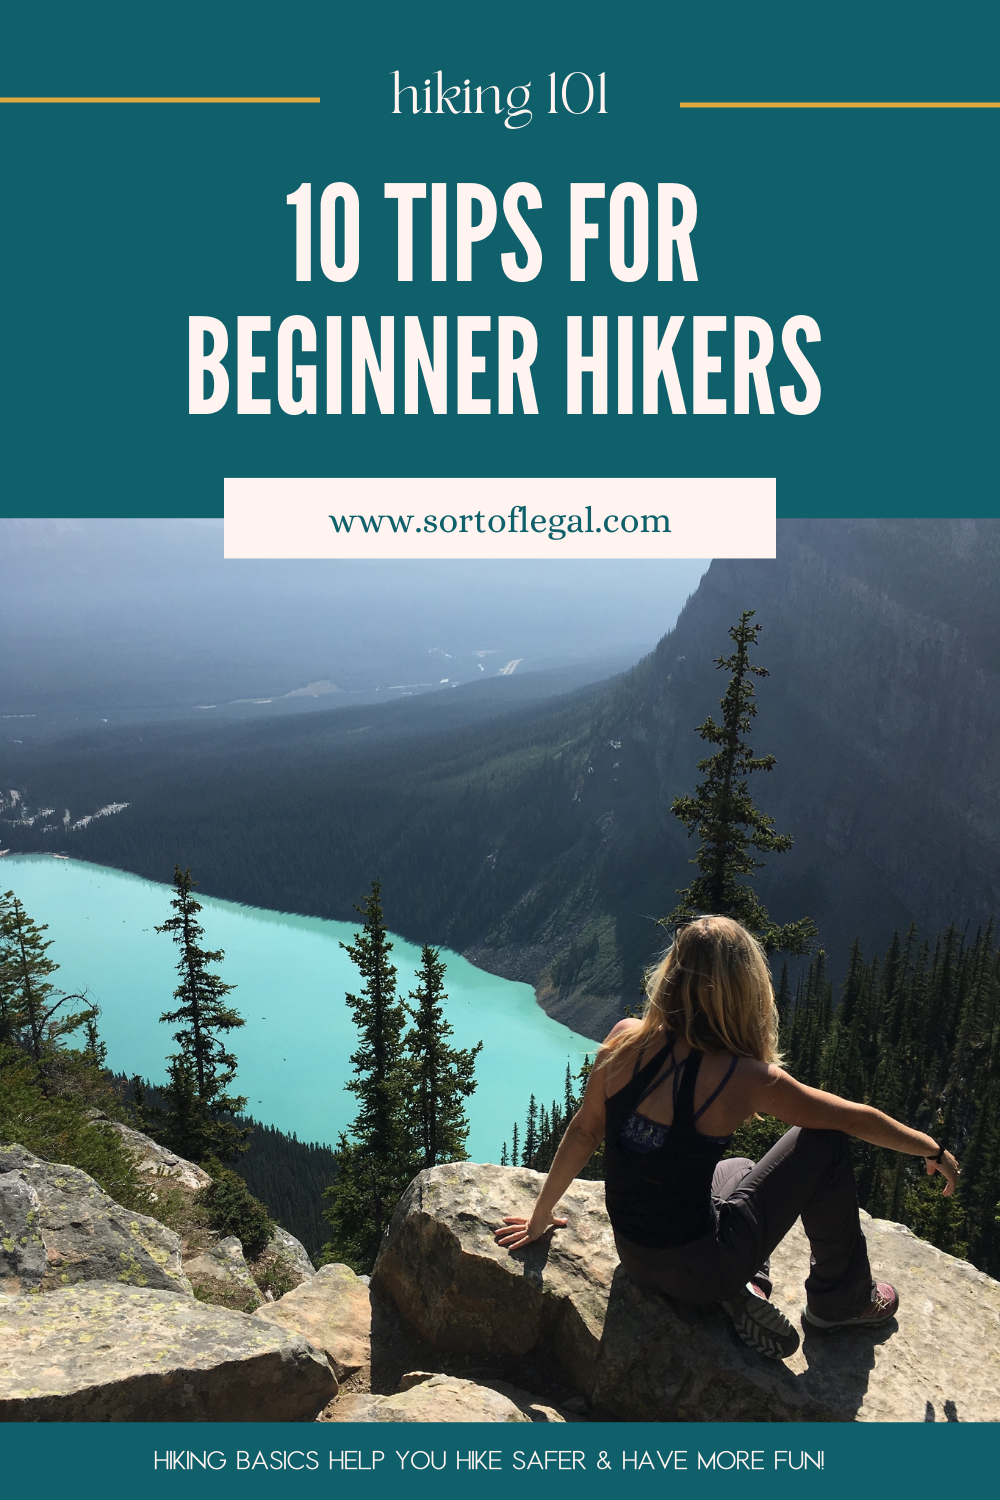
[
  {"x": 754, "y": 1080},
  {"x": 753, "y": 1067},
  {"x": 621, "y": 1028}
]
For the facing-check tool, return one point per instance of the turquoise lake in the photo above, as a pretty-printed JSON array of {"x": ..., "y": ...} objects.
[{"x": 291, "y": 976}]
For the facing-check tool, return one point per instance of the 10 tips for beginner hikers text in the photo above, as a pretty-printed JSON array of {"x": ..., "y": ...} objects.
[{"x": 717, "y": 359}]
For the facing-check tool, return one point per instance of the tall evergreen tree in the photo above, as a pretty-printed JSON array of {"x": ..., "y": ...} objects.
[
  {"x": 530, "y": 1134},
  {"x": 722, "y": 812},
  {"x": 442, "y": 1077},
  {"x": 197, "y": 1122},
  {"x": 95, "y": 1051},
  {"x": 379, "y": 1157},
  {"x": 29, "y": 1002}
]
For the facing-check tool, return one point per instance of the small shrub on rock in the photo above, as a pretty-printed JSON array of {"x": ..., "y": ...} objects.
[
  {"x": 56, "y": 1122},
  {"x": 232, "y": 1209}
]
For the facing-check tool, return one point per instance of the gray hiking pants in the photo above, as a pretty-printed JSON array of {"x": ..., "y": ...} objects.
[{"x": 807, "y": 1173}]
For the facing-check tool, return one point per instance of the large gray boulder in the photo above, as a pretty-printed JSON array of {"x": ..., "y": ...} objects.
[
  {"x": 462, "y": 1293},
  {"x": 85, "y": 1234},
  {"x": 637, "y": 1356},
  {"x": 222, "y": 1274},
  {"x": 113, "y": 1353},
  {"x": 159, "y": 1161},
  {"x": 333, "y": 1311},
  {"x": 286, "y": 1248}
]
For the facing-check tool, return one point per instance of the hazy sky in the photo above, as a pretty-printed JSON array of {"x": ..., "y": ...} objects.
[{"x": 148, "y": 612}]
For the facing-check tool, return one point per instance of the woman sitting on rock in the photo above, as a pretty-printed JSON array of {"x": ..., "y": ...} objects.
[{"x": 666, "y": 1094}]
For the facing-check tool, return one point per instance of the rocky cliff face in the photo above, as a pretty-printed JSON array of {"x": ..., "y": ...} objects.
[
  {"x": 883, "y": 709},
  {"x": 564, "y": 1305}
]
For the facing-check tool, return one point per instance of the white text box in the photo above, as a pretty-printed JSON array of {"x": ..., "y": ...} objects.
[{"x": 500, "y": 518}]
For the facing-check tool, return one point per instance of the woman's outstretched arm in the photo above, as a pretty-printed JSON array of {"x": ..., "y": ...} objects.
[
  {"x": 584, "y": 1134},
  {"x": 797, "y": 1104}
]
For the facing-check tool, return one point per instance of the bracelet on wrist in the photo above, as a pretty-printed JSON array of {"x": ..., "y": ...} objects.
[{"x": 937, "y": 1160}]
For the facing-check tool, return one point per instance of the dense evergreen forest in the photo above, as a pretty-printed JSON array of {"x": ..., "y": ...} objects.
[{"x": 290, "y": 1176}]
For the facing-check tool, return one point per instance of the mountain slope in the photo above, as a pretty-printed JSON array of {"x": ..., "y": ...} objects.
[{"x": 541, "y": 841}]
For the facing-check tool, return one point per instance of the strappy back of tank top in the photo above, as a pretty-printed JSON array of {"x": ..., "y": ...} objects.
[
  {"x": 641, "y": 1134},
  {"x": 658, "y": 1178}
]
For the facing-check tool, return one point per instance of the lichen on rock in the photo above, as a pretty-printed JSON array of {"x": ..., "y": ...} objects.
[
  {"x": 22, "y": 1250},
  {"x": 86, "y": 1235},
  {"x": 109, "y": 1353}
]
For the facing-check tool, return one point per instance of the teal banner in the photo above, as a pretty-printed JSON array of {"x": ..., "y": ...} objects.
[
  {"x": 825, "y": 173},
  {"x": 227, "y": 1459}
]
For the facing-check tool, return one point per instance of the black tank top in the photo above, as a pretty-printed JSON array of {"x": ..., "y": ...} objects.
[{"x": 658, "y": 1178}]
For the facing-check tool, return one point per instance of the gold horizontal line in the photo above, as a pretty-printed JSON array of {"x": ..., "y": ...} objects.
[
  {"x": 155, "y": 99},
  {"x": 841, "y": 104}
]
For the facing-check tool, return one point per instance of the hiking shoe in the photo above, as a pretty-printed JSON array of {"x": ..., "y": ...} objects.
[
  {"x": 883, "y": 1305},
  {"x": 760, "y": 1325}
]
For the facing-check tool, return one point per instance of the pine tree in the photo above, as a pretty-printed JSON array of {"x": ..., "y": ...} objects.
[
  {"x": 783, "y": 996},
  {"x": 185, "y": 1125},
  {"x": 137, "y": 1093},
  {"x": 441, "y": 1077},
  {"x": 95, "y": 1050},
  {"x": 530, "y": 1134},
  {"x": 546, "y": 1129},
  {"x": 201, "y": 1072},
  {"x": 379, "y": 1157},
  {"x": 29, "y": 1002},
  {"x": 722, "y": 812}
]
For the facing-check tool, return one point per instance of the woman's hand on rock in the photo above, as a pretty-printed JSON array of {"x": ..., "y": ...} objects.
[
  {"x": 517, "y": 1231},
  {"x": 948, "y": 1167}
]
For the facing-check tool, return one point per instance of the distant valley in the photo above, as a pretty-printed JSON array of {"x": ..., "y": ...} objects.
[
  {"x": 529, "y": 827},
  {"x": 128, "y": 622}
]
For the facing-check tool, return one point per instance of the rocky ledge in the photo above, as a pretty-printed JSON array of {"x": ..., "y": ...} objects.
[
  {"x": 426, "y": 1397},
  {"x": 111, "y": 1353},
  {"x": 565, "y": 1303},
  {"x": 453, "y": 1328},
  {"x": 157, "y": 1161}
]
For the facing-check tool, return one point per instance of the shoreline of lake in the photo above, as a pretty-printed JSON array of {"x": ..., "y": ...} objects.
[{"x": 291, "y": 975}]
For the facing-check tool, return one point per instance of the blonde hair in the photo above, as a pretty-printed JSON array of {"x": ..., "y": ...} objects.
[{"x": 712, "y": 989}]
